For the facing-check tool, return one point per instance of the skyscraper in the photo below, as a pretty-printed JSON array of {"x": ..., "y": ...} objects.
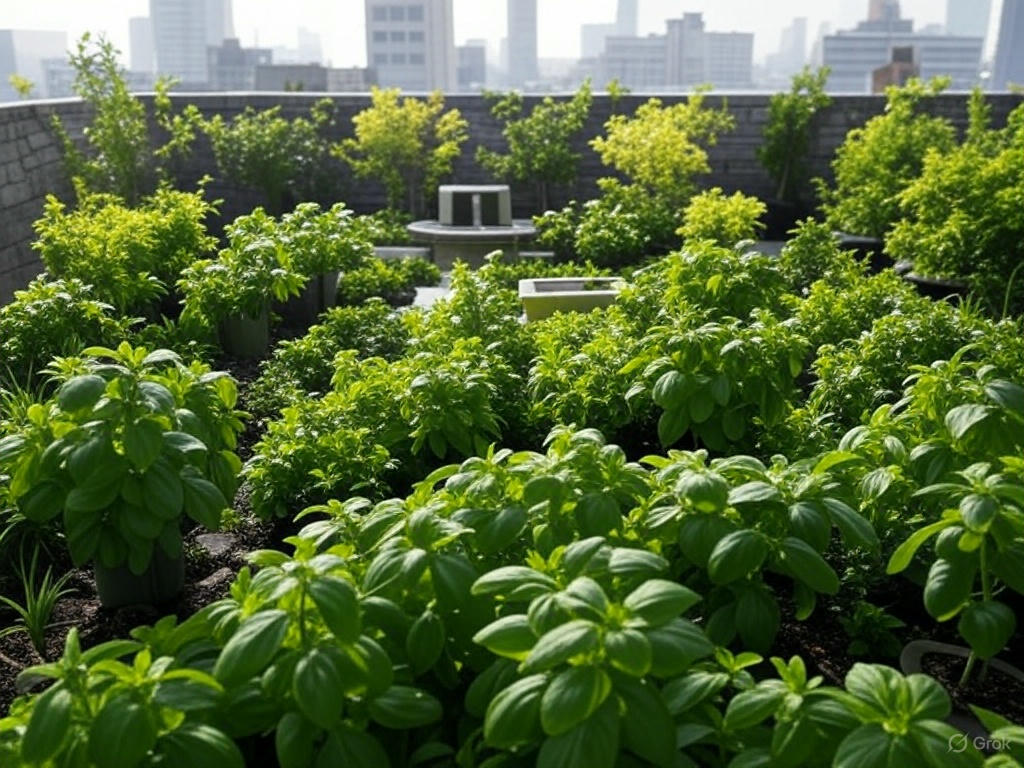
[
  {"x": 522, "y": 42},
  {"x": 1009, "y": 64},
  {"x": 179, "y": 39},
  {"x": 411, "y": 46},
  {"x": 968, "y": 17},
  {"x": 220, "y": 22},
  {"x": 140, "y": 33},
  {"x": 626, "y": 18}
]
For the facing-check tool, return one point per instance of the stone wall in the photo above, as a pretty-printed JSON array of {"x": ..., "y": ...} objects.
[{"x": 31, "y": 164}]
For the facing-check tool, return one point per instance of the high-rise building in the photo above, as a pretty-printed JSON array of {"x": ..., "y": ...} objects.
[
  {"x": 853, "y": 55},
  {"x": 792, "y": 53},
  {"x": 140, "y": 35},
  {"x": 1009, "y": 62},
  {"x": 411, "y": 45},
  {"x": 232, "y": 67},
  {"x": 181, "y": 32},
  {"x": 22, "y": 52},
  {"x": 636, "y": 62},
  {"x": 471, "y": 70},
  {"x": 968, "y": 17},
  {"x": 220, "y": 22},
  {"x": 626, "y": 18},
  {"x": 522, "y": 42},
  {"x": 592, "y": 38},
  {"x": 695, "y": 56}
]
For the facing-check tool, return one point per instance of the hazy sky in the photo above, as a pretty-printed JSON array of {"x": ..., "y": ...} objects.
[{"x": 340, "y": 22}]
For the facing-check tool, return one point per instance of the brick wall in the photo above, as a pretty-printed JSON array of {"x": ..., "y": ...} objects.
[{"x": 31, "y": 163}]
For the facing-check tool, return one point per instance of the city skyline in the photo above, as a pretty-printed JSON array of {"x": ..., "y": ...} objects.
[{"x": 341, "y": 24}]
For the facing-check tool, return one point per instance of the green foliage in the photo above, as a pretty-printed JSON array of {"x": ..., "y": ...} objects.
[
  {"x": 811, "y": 254},
  {"x": 319, "y": 242},
  {"x": 130, "y": 442},
  {"x": 129, "y": 255},
  {"x": 40, "y": 599},
  {"x": 725, "y": 220},
  {"x": 506, "y": 275},
  {"x": 120, "y": 160},
  {"x": 787, "y": 134},
  {"x": 51, "y": 318},
  {"x": 408, "y": 145},
  {"x": 539, "y": 144},
  {"x": 21, "y": 85},
  {"x": 301, "y": 368},
  {"x": 663, "y": 148},
  {"x": 394, "y": 281},
  {"x": 870, "y": 629},
  {"x": 288, "y": 160},
  {"x": 386, "y": 227},
  {"x": 961, "y": 218},
  {"x": 253, "y": 270},
  {"x": 881, "y": 159}
]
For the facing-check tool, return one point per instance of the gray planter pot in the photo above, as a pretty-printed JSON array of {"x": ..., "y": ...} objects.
[
  {"x": 936, "y": 287},
  {"x": 162, "y": 581},
  {"x": 319, "y": 294},
  {"x": 246, "y": 337}
]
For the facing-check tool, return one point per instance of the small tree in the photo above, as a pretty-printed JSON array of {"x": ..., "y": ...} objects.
[
  {"x": 539, "y": 144},
  {"x": 21, "y": 85},
  {"x": 663, "y": 148},
  {"x": 119, "y": 159},
  {"x": 408, "y": 144},
  {"x": 787, "y": 134},
  {"x": 283, "y": 158}
]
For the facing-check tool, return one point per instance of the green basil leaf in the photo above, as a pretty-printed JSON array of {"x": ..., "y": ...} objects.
[{"x": 572, "y": 697}]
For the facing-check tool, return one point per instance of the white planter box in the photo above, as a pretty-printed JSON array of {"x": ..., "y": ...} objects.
[{"x": 542, "y": 297}]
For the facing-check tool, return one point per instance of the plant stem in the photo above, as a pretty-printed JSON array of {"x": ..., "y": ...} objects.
[{"x": 967, "y": 669}]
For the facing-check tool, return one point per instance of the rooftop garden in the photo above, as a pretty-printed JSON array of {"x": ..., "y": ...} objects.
[{"x": 259, "y": 507}]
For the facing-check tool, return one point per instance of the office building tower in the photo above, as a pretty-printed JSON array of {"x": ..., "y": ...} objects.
[
  {"x": 22, "y": 52},
  {"x": 695, "y": 56},
  {"x": 853, "y": 55},
  {"x": 522, "y": 42},
  {"x": 792, "y": 54},
  {"x": 232, "y": 67},
  {"x": 411, "y": 45},
  {"x": 968, "y": 18},
  {"x": 626, "y": 24},
  {"x": 220, "y": 24},
  {"x": 140, "y": 38},
  {"x": 1009, "y": 61},
  {"x": 180, "y": 40},
  {"x": 471, "y": 68}
]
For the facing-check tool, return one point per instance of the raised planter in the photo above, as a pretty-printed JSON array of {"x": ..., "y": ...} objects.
[
  {"x": 866, "y": 248},
  {"x": 401, "y": 252},
  {"x": 162, "y": 581},
  {"x": 246, "y": 337},
  {"x": 320, "y": 293},
  {"x": 937, "y": 288},
  {"x": 542, "y": 297}
]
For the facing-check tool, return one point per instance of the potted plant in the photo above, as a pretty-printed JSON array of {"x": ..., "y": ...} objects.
[
  {"x": 231, "y": 295},
  {"x": 783, "y": 153},
  {"x": 876, "y": 163},
  {"x": 131, "y": 442},
  {"x": 321, "y": 244}
]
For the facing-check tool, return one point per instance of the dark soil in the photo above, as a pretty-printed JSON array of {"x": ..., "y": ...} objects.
[{"x": 998, "y": 692}]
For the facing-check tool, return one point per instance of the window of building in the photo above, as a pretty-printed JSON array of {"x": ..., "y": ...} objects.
[
  {"x": 397, "y": 12},
  {"x": 380, "y": 58},
  {"x": 415, "y": 13},
  {"x": 398, "y": 58},
  {"x": 416, "y": 37},
  {"x": 416, "y": 58},
  {"x": 380, "y": 13},
  {"x": 398, "y": 37},
  {"x": 380, "y": 37}
]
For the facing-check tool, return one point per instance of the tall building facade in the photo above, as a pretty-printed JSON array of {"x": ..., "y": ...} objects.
[
  {"x": 182, "y": 31},
  {"x": 626, "y": 18},
  {"x": 471, "y": 69},
  {"x": 22, "y": 52},
  {"x": 792, "y": 54},
  {"x": 232, "y": 67},
  {"x": 411, "y": 45},
  {"x": 968, "y": 17},
  {"x": 853, "y": 55},
  {"x": 1009, "y": 63},
  {"x": 140, "y": 40},
  {"x": 522, "y": 42}
]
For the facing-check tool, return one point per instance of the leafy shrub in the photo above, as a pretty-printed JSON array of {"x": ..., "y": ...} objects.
[
  {"x": 624, "y": 225},
  {"x": 119, "y": 159},
  {"x": 812, "y": 254},
  {"x": 787, "y": 134},
  {"x": 725, "y": 220},
  {"x": 961, "y": 219},
  {"x": 51, "y": 318},
  {"x": 288, "y": 160},
  {"x": 132, "y": 441},
  {"x": 662, "y": 148},
  {"x": 130, "y": 256},
  {"x": 371, "y": 430},
  {"x": 507, "y": 274},
  {"x": 387, "y": 226},
  {"x": 879, "y": 160},
  {"x": 322, "y": 241},
  {"x": 245, "y": 277},
  {"x": 394, "y": 281},
  {"x": 556, "y": 230},
  {"x": 539, "y": 144},
  {"x": 407, "y": 144},
  {"x": 304, "y": 367}
]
